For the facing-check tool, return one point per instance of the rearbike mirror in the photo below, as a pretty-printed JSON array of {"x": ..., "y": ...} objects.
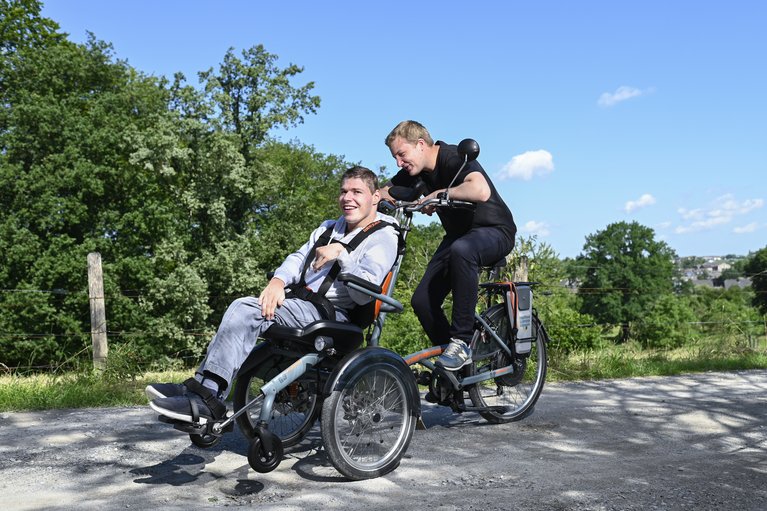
[{"x": 468, "y": 149}]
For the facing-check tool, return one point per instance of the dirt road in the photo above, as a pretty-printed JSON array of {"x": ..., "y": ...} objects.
[{"x": 691, "y": 442}]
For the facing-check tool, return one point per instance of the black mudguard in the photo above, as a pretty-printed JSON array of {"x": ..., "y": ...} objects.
[
  {"x": 359, "y": 359},
  {"x": 261, "y": 352}
]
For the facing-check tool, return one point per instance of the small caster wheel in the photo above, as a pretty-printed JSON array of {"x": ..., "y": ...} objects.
[
  {"x": 261, "y": 461},
  {"x": 204, "y": 441}
]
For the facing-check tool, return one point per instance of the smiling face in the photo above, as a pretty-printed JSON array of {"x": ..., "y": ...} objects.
[
  {"x": 411, "y": 157},
  {"x": 358, "y": 202}
]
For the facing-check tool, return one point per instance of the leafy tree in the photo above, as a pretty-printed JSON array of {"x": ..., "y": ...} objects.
[
  {"x": 21, "y": 26},
  {"x": 727, "y": 318},
  {"x": 253, "y": 96},
  {"x": 403, "y": 332},
  {"x": 543, "y": 264},
  {"x": 666, "y": 324},
  {"x": 691, "y": 261},
  {"x": 184, "y": 196},
  {"x": 756, "y": 269},
  {"x": 67, "y": 188},
  {"x": 626, "y": 271},
  {"x": 569, "y": 329}
]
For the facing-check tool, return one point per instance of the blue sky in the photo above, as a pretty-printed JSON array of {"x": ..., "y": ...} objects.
[{"x": 587, "y": 113}]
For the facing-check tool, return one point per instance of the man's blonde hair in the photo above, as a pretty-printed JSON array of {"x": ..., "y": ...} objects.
[{"x": 409, "y": 131}]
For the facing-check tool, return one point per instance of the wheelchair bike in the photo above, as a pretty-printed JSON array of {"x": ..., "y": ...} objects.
[{"x": 366, "y": 397}]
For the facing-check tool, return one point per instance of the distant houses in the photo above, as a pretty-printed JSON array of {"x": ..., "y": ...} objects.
[
  {"x": 728, "y": 283},
  {"x": 715, "y": 267},
  {"x": 707, "y": 271}
]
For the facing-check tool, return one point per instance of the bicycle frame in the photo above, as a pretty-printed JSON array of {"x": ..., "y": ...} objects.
[{"x": 404, "y": 214}]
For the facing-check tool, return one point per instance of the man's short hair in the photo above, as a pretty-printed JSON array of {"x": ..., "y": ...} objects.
[
  {"x": 363, "y": 173},
  {"x": 410, "y": 131}
]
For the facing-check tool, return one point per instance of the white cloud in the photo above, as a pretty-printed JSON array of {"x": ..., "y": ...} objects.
[
  {"x": 528, "y": 164},
  {"x": 535, "y": 228},
  {"x": 689, "y": 214},
  {"x": 643, "y": 201},
  {"x": 622, "y": 93},
  {"x": 702, "y": 225},
  {"x": 723, "y": 210},
  {"x": 726, "y": 205},
  {"x": 745, "y": 229}
]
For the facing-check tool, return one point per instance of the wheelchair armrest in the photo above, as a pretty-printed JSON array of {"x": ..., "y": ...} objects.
[
  {"x": 367, "y": 286},
  {"x": 370, "y": 289}
]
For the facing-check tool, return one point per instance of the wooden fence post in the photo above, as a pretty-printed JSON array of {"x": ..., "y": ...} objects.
[
  {"x": 520, "y": 271},
  {"x": 98, "y": 311}
]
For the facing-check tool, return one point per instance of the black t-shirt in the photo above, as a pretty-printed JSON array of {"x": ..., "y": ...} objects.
[{"x": 457, "y": 222}]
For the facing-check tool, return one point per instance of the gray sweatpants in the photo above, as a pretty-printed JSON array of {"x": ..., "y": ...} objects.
[{"x": 240, "y": 329}]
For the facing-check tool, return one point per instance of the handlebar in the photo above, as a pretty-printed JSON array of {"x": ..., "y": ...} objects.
[{"x": 412, "y": 206}]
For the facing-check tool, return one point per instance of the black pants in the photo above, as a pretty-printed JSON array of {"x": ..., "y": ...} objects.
[{"x": 455, "y": 267}]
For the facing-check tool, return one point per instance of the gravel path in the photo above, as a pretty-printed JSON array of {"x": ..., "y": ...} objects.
[{"x": 690, "y": 442}]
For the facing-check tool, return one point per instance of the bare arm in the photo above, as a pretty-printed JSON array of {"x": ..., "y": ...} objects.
[
  {"x": 385, "y": 192},
  {"x": 473, "y": 189}
]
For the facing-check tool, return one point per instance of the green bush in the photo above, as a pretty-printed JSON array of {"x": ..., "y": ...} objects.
[
  {"x": 668, "y": 323},
  {"x": 569, "y": 330}
]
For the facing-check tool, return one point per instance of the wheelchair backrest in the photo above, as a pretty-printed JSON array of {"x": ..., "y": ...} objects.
[{"x": 364, "y": 315}]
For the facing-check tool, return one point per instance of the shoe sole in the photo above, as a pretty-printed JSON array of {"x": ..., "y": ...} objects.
[
  {"x": 151, "y": 393},
  {"x": 177, "y": 416},
  {"x": 467, "y": 362}
]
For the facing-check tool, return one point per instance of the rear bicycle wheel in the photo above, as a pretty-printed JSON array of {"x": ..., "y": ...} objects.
[
  {"x": 516, "y": 393},
  {"x": 295, "y": 409},
  {"x": 367, "y": 425}
]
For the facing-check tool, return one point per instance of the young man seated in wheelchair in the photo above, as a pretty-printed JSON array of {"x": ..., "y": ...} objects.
[{"x": 331, "y": 249}]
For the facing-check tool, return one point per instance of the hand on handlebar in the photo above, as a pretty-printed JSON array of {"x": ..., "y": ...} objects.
[
  {"x": 431, "y": 201},
  {"x": 406, "y": 200}
]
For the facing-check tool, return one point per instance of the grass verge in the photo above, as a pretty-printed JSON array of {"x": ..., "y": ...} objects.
[
  {"x": 629, "y": 360},
  {"x": 77, "y": 390},
  {"x": 83, "y": 389}
]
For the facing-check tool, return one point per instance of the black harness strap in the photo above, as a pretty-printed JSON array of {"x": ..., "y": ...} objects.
[
  {"x": 323, "y": 305},
  {"x": 217, "y": 408}
]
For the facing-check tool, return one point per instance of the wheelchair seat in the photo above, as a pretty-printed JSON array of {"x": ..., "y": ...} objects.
[{"x": 346, "y": 336}]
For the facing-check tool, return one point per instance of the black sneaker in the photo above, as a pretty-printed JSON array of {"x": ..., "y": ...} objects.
[
  {"x": 190, "y": 408},
  {"x": 162, "y": 390},
  {"x": 456, "y": 355}
]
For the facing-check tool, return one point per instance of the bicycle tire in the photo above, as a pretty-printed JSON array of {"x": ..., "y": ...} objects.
[
  {"x": 518, "y": 392},
  {"x": 295, "y": 409},
  {"x": 367, "y": 425}
]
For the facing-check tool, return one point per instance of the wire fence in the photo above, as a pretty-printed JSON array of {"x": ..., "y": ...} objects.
[{"x": 752, "y": 329}]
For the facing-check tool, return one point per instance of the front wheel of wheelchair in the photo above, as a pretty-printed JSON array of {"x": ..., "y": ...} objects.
[
  {"x": 512, "y": 396},
  {"x": 368, "y": 423},
  {"x": 261, "y": 460},
  {"x": 295, "y": 409}
]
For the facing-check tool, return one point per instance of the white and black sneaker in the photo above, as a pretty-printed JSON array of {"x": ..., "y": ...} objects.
[
  {"x": 456, "y": 355},
  {"x": 199, "y": 405},
  {"x": 163, "y": 390}
]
